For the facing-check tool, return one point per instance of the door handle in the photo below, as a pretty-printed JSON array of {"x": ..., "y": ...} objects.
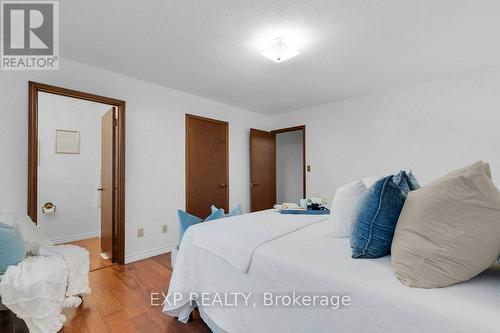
[
  {"x": 253, "y": 184},
  {"x": 223, "y": 185},
  {"x": 100, "y": 189}
]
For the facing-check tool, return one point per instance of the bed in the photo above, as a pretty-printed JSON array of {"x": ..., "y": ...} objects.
[{"x": 304, "y": 259}]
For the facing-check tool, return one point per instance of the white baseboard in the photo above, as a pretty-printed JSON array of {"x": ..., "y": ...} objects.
[
  {"x": 149, "y": 253},
  {"x": 72, "y": 238}
]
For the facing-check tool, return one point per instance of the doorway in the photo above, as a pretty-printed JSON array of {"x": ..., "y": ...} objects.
[
  {"x": 76, "y": 162},
  {"x": 277, "y": 166},
  {"x": 207, "y": 165}
]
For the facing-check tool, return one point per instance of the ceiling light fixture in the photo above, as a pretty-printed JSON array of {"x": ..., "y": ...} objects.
[{"x": 279, "y": 52}]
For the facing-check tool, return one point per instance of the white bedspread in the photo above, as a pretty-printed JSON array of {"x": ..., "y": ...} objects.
[
  {"x": 223, "y": 237},
  {"x": 308, "y": 261},
  {"x": 38, "y": 288}
]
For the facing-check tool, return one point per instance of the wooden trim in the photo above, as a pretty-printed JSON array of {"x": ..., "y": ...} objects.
[
  {"x": 192, "y": 116},
  {"x": 304, "y": 166},
  {"x": 33, "y": 89},
  {"x": 289, "y": 129},
  {"x": 186, "y": 161}
]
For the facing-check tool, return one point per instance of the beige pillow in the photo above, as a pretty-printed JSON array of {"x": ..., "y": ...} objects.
[{"x": 449, "y": 230}]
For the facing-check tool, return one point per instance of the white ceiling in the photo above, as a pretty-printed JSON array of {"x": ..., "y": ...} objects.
[{"x": 211, "y": 48}]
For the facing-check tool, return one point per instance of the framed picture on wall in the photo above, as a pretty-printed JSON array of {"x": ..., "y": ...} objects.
[{"x": 67, "y": 142}]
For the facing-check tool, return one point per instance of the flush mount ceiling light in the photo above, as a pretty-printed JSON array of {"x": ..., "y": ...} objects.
[{"x": 279, "y": 52}]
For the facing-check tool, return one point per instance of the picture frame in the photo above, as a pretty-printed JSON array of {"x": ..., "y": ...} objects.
[{"x": 67, "y": 142}]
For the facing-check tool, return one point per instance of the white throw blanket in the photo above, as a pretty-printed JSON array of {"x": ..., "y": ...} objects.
[
  {"x": 38, "y": 288},
  {"x": 224, "y": 237}
]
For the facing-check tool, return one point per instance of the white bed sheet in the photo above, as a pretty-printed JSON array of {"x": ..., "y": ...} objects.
[
  {"x": 309, "y": 261},
  {"x": 224, "y": 236}
]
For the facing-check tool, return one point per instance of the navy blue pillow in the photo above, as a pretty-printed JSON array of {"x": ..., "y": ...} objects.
[
  {"x": 411, "y": 182},
  {"x": 374, "y": 228}
]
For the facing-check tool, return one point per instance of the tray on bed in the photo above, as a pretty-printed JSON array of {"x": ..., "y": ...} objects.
[{"x": 322, "y": 211}]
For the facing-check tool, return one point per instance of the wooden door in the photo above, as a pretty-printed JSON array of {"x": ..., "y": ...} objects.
[
  {"x": 107, "y": 181},
  {"x": 207, "y": 165},
  {"x": 262, "y": 169}
]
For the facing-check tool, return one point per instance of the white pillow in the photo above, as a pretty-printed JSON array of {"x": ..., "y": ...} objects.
[
  {"x": 369, "y": 181},
  {"x": 345, "y": 208},
  {"x": 32, "y": 235}
]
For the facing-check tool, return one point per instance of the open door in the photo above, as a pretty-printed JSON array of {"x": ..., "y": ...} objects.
[
  {"x": 262, "y": 169},
  {"x": 107, "y": 181}
]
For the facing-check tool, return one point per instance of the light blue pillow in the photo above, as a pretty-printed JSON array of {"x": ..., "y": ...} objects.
[
  {"x": 12, "y": 247},
  {"x": 380, "y": 208},
  {"x": 216, "y": 214},
  {"x": 185, "y": 221},
  {"x": 234, "y": 212}
]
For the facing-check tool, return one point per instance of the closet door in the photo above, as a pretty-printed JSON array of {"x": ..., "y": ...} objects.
[{"x": 207, "y": 165}]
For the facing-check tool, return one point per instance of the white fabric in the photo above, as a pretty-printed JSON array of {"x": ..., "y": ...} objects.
[
  {"x": 223, "y": 237},
  {"x": 307, "y": 261},
  {"x": 78, "y": 260},
  {"x": 369, "y": 181},
  {"x": 345, "y": 208},
  {"x": 33, "y": 237},
  {"x": 38, "y": 288},
  {"x": 173, "y": 255}
]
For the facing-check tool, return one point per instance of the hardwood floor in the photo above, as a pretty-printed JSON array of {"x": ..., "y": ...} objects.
[
  {"x": 120, "y": 301},
  {"x": 93, "y": 245}
]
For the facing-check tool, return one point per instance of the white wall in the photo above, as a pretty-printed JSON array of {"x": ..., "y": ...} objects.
[
  {"x": 68, "y": 180},
  {"x": 431, "y": 128},
  {"x": 289, "y": 166},
  {"x": 154, "y": 151}
]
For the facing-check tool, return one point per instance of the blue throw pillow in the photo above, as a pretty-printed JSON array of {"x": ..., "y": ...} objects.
[
  {"x": 185, "y": 221},
  {"x": 12, "y": 247},
  {"x": 216, "y": 214},
  {"x": 411, "y": 183},
  {"x": 374, "y": 227},
  {"x": 234, "y": 212}
]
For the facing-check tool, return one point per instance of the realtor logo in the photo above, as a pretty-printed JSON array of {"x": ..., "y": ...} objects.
[{"x": 30, "y": 35}]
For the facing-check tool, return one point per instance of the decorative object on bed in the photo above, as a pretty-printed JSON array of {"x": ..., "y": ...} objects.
[
  {"x": 345, "y": 207},
  {"x": 216, "y": 214},
  {"x": 411, "y": 181},
  {"x": 233, "y": 212},
  {"x": 186, "y": 220},
  {"x": 449, "y": 230},
  {"x": 315, "y": 203},
  {"x": 373, "y": 230},
  {"x": 12, "y": 247},
  {"x": 310, "y": 211}
]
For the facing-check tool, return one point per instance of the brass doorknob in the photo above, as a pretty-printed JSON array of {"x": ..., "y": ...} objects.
[{"x": 223, "y": 185}]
